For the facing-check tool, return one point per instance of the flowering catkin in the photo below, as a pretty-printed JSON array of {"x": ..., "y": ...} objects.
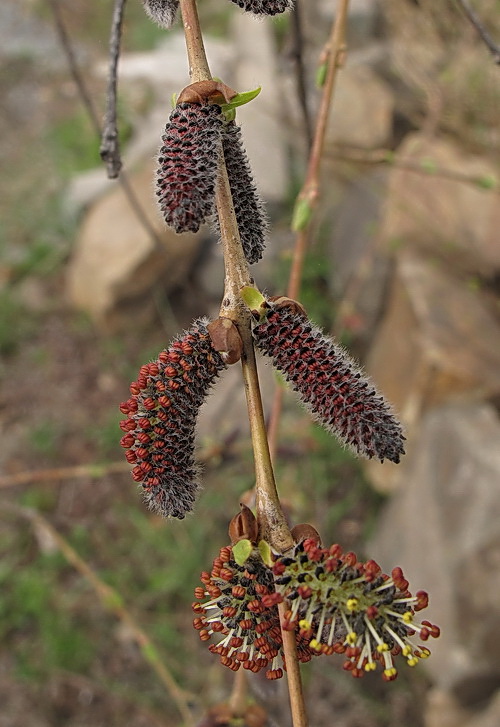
[
  {"x": 162, "y": 413},
  {"x": 249, "y": 210},
  {"x": 162, "y": 12},
  {"x": 264, "y": 7},
  {"x": 329, "y": 383},
  {"x": 187, "y": 170}
]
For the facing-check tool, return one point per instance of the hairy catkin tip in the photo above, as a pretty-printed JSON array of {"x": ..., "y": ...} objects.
[
  {"x": 162, "y": 414},
  {"x": 264, "y": 7},
  {"x": 330, "y": 384},
  {"x": 162, "y": 12},
  {"x": 187, "y": 165},
  {"x": 248, "y": 207}
]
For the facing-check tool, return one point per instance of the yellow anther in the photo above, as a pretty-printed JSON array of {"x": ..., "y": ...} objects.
[
  {"x": 304, "y": 624},
  {"x": 382, "y": 647},
  {"x": 413, "y": 661},
  {"x": 314, "y": 644},
  {"x": 408, "y": 617},
  {"x": 424, "y": 653},
  {"x": 406, "y": 651},
  {"x": 352, "y": 604},
  {"x": 370, "y": 666},
  {"x": 351, "y": 638},
  {"x": 390, "y": 672}
]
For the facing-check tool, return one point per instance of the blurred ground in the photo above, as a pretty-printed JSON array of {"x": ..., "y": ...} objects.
[{"x": 65, "y": 659}]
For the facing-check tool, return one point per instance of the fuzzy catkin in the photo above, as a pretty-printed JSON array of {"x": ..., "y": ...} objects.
[
  {"x": 187, "y": 165},
  {"x": 330, "y": 384},
  {"x": 162, "y": 414},
  {"x": 264, "y": 7},
  {"x": 248, "y": 207},
  {"x": 162, "y": 12}
]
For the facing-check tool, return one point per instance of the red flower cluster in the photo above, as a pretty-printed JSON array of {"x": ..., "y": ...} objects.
[
  {"x": 341, "y": 605},
  {"x": 329, "y": 383},
  {"x": 249, "y": 629},
  {"x": 162, "y": 12},
  {"x": 264, "y": 7},
  {"x": 161, "y": 419},
  {"x": 187, "y": 170},
  {"x": 336, "y": 604}
]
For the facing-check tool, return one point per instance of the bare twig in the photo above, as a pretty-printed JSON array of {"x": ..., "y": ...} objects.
[
  {"x": 91, "y": 110},
  {"x": 110, "y": 142},
  {"x": 335, "y": 53},
  {"x": 297, "y": 55},
  {"x": 493, "y": 47},
  {"x": 385, "y": 156},
  {"x": 112, "y": 601}
]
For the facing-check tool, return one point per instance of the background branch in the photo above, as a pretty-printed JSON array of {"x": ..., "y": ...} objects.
[{"x": 493, "y": 47}]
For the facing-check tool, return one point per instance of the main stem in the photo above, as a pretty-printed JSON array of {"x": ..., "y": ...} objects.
[{"x": 272, "y": 523}]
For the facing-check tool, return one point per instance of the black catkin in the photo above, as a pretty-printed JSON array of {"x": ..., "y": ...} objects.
[
  {"x": 187, "y": 165},
  {"x": 162, "y": 414},
  {"x": 264, "y": 7},
  {"x": 248, "y": 207},
  {"x": 162, "y": 12},
  {"x": 330, "y": 384}
]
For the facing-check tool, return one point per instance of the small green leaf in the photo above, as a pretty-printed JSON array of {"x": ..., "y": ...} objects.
[
  {"x": 429, "y": 166},
  {"x": 230, "y": 115},
  {"x": 149, "y": 652},
  {"x": 265, "y": 552},
  {"x": 302, "y": 214},
  {"x": 321, "y": 75},
  {"x": 241, "y": 551},
  {"x": 253, "y": 299},
  {"x": 173, "y": 100},
  {"x": 488, "y": 181},
  {"x": 240, "y": 99}
]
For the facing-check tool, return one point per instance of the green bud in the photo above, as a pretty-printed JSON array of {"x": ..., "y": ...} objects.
[{"x": 302, "y": 214}]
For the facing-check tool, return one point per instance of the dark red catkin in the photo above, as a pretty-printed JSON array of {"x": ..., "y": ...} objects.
[
  {"x": 330, "y": 384},
  {"x": 264, "y": 7},
  {"x": 161, "y": 419},
  {"x": 162, "y": 12},
  {"x": 187, "y": 165},
  {"x": 248, "y": 207}
]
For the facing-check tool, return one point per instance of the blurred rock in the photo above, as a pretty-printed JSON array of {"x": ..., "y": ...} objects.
[
  {"x": 437, "y": 341},
  {"x": 359, "y": 270},
  {"x": 362, "y": 112},
  {"x": 262, "y": 120},
  {"x": 458, "y": 221},
  {"x": 442, "y": 709},
  {"x": 443, "y": 529},
  {"x": 116, "y": 259},
  {"x": 489, "y": 717}
]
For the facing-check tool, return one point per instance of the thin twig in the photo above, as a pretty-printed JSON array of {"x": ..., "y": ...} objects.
[
  {"x": 86, "y": 99},
  {"x": 493, "y": 47},
  {"x": 385, "y": 156},
  {"x": 297, "y": 54},
  {"x": 110, "y": 142},
  {"x": 112, "y": 601},
  {"x": 335, "y": 53},
  {"x": 96, "y": 471}
]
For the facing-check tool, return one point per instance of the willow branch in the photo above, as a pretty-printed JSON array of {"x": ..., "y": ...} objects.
[
  {"x": 110, "y": 142},
  {"x": 493, "y": 47},
  {"x": 334, "y": 52},
  {"x": 112, "y": 601},
  {"x": 89, "y": 105}
]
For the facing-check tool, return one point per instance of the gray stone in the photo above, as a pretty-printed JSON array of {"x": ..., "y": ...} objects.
[
  {"x": 362, "y": 111},
  {"x": 117, "y": 260},
  {"x": 490, "y": 716},
  {"x": 437, "y": 342},
  {"x": 443, "y": 529},
  {"x": 456, "y": 220},
  {"x": 262, "y": 120}
]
